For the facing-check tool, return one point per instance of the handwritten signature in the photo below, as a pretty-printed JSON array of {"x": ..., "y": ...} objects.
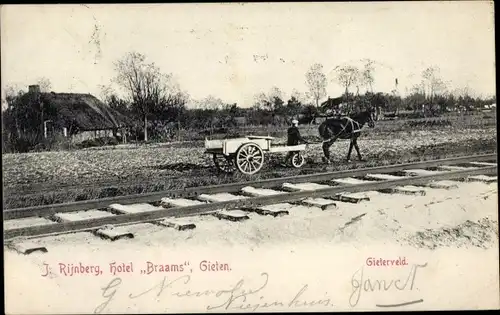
[
  {"x": 242, "y": 296},
  {"x": 359, "y": 284},
  {"x": 237, "y": 296}
]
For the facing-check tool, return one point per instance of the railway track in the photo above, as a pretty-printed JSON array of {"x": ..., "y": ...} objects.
[{"x": 109, "y": 217}]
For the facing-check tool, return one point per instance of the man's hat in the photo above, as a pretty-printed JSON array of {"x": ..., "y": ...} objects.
[{"x": 295, "y": 121}]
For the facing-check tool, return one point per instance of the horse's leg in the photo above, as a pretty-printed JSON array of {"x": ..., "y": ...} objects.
[
  {"x": 350, "y": 150},
  {"x": 357, "y": 149},
  {"x": 326, "y": 149}
]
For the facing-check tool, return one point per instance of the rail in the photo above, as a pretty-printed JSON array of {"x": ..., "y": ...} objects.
[
  {"x": 45, "y": 210},
  {"x": 186, "y": 211}
]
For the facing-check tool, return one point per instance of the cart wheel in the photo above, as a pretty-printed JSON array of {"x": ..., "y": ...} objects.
[
  {"x": 249, "y": 158},
  {"x": 297, "y": 160},
  {"x": 224, "y": 163}
]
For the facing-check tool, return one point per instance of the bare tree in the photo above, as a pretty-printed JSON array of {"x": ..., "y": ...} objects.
[
  {"x": 144, "y": 83},
  {"x": 463, "y": 92},
  {"x": 464, "y": 97},
  {"x": 9, "y": 93},
  {"x": 44, "y": 84},
  {"x": 210, "y": 103},
  {"x": 299, "y": 96},
  {"x": 24, "y": 118},
  {"x": 261, "y": 101},
  {"x": 316, "y": 82},
  {"x": 270, "y": 101},
  {"x": 348, "y": 76},
  {"x": 212, "y": 106},
  {"x": 276, "y": 92},
  {"x": 367, "y": 78},
  {"x": 110, "y": 97},
  {"x": 105, "y": 92},
  {"x": 433, "y": 84}
]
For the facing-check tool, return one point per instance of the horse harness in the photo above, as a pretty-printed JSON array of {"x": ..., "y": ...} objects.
[{"x": 349, "y": 121}]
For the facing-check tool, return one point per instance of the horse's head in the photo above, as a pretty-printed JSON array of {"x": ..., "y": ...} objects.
[{"x": 369, "y": 117}]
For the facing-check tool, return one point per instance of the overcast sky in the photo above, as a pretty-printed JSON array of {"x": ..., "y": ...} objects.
[{"x": 211, "y": 48}]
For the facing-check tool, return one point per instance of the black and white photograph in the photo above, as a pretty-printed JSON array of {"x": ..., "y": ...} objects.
[{"x": 249, "y": 157}]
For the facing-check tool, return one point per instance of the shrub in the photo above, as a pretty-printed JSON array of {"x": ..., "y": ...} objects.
[{"x": 25, "y": 143}]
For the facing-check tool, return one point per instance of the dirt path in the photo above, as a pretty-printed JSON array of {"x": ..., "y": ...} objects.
[{"x": 454, "y": 231}]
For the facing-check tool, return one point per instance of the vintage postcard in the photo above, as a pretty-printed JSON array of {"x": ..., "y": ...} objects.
[{"x": 249, "y": 157}]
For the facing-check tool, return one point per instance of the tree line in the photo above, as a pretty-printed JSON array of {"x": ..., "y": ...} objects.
[{"x": 158, "y": 105}]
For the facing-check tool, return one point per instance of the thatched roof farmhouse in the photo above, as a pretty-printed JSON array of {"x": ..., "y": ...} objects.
[
  {"x": 76, "y": 112},
  {"x": 332, "y": 102}
]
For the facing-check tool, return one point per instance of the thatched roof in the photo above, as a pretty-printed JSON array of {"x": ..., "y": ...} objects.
[
  {"x": 83, "y": 111},
  {"x": 332, "y": 102}
]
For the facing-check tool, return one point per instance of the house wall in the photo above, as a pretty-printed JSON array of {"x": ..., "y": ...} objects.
[
  {"x": 81, "y": 136},
  {"x": 87, "y": 135}
]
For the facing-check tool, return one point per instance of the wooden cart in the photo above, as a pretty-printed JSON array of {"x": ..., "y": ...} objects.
[{"x": 247, "y": 154}]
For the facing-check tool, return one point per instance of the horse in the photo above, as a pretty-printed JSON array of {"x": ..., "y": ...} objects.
[{"x": 347, "y": 127}]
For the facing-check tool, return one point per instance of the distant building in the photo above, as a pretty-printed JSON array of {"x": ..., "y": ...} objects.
[
  {"x": 75, "y": 115},
  {"x": 333, "y": 104}
]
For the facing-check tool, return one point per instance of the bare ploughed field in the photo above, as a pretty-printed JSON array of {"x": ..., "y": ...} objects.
[{"x": 154, "y": 167}]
